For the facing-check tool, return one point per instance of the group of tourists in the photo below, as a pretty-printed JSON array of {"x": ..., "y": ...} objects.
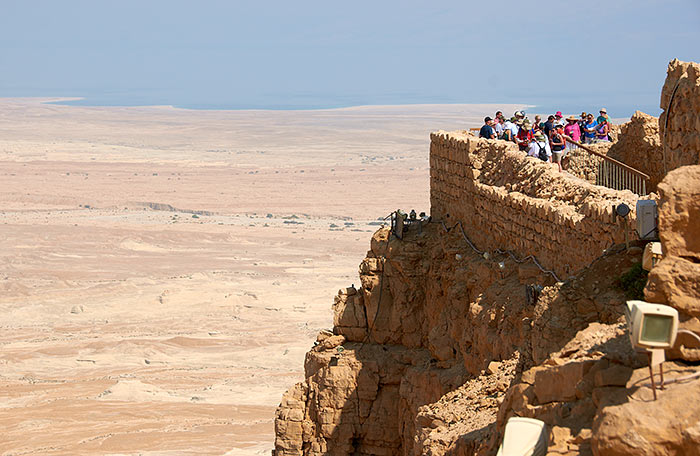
[{"x": 549, "y": 141}]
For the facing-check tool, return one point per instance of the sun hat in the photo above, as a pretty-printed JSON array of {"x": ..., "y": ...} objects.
[
  {"x": 539, "y": 136},
  {"x": 571, "y": 118},
  {"x": 558, "y": 114},
  {"x": 603, "y": 110},
  {"x": 583, "y": 114}
]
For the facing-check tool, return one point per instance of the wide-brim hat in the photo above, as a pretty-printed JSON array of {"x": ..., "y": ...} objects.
[
  {"x": 572, "y": 118},
  {"x": 603, "y": 110},
  {"x": 539, "y": 136}
]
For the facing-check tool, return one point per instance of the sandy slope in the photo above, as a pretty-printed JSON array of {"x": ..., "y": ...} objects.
[{"x": 163, "y": 271}]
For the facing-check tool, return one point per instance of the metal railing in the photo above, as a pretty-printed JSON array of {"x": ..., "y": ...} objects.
[
  {"x": 615, "y": 174},
  {"x": 610, "y": 173}
]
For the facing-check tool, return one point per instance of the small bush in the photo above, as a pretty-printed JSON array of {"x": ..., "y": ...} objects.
[{"x": 633, "y": 281}]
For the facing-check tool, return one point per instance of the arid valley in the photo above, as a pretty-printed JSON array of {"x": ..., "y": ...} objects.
[{"x": 163, "y": 271}]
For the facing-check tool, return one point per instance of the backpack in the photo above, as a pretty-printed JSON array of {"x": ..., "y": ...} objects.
[{"x": 542, "y": 154}]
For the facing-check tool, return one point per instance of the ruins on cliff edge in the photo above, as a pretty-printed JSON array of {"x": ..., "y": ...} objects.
[{"x": 440, "y": 344}]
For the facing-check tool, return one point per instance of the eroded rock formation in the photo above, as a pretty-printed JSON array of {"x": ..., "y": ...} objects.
[
  {"x": 639, "y": 146},
  {"x": 449, "y": 336},
  {"x": 679, "y": 124}
]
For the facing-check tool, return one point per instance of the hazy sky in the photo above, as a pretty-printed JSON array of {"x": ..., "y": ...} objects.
[{"x": 276, "y": 54}]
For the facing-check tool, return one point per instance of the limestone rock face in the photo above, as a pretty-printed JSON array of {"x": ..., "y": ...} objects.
[
  {"x": 679, "y": 217},
  {"x": 639, "y": 145},
  {"x": 427, "y": 354},
  {"x": 675, "y": 280},
  {"x": 679, "y": 124},
  {"x": 668, "y": 426}
]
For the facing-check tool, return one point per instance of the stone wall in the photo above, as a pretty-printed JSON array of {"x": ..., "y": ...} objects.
[
  {"x": 506, "y": 200},
  {"x": 584, "y": 165}
]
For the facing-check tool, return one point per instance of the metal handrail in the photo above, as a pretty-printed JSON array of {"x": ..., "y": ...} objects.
[{"x": 615, "y": 174}]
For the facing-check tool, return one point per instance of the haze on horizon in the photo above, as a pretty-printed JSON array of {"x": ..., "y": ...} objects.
[{"x": 314, "y": 54}]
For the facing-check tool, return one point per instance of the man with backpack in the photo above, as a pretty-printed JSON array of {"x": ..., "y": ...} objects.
[{"x": 539, "y": 148}]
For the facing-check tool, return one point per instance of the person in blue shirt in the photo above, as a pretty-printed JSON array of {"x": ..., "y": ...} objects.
[
  {"x": 487, "y": 130},
  {"x": 589, "y": 129}
]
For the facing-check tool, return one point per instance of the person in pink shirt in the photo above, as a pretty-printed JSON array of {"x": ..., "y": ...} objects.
[{"x": 572, "y": 131}]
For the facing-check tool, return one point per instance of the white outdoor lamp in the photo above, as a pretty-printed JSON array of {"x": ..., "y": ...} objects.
[
  {"x": 524, "y": 437},
  {"x": 653, "y": 328}
]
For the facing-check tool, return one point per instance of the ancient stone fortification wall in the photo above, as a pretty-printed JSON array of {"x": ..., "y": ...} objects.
[
  {"x": 506, "y": 200},
  {"x": 582, "y": 164},
  {"x": 681, "y": 139}
]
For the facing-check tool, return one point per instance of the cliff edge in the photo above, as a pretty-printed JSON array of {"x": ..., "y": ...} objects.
[{"x": 508, "y": 303}]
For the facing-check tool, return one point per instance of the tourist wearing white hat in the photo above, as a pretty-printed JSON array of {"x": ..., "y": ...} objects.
[
  {"x": 572, "y": 132},
  {"x": 539, "y": 148}
]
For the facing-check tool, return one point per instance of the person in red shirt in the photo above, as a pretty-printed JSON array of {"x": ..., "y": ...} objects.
[{"x": 524, "y": 136}]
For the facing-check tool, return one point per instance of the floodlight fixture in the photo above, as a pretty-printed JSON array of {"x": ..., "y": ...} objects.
[
  {"x": 524, "y": 437},
  {"x": 622, "y": 210},
  {"x": 651, "y": 326}
]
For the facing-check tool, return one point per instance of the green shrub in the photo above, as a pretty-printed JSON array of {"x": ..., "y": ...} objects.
[{"x": 633, "y": 282}]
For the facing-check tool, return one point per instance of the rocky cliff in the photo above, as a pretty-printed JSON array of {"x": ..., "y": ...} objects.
[
  {"x": 461, "y": 325},
  {"x": 639, "y": 146},
  {"x": 679, "y": 123}
]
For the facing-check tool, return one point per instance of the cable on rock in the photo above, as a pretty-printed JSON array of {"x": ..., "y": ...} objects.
[{"x": 500, "y": 251}]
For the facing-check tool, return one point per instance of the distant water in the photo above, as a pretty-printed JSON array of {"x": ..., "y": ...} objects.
[{"x": 305, "y": 101}]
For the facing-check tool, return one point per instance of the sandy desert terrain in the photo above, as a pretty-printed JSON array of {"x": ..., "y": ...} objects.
[{"x": 163, "y": 271}]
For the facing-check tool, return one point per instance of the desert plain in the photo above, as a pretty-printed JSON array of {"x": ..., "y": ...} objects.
[{"x": 163, "y": 271}]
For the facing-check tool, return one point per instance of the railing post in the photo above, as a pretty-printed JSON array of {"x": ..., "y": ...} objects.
[{"x": 614, "y": 174}]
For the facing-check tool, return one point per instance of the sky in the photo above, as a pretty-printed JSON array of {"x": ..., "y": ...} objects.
[{"x": 324, "y": 54}]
